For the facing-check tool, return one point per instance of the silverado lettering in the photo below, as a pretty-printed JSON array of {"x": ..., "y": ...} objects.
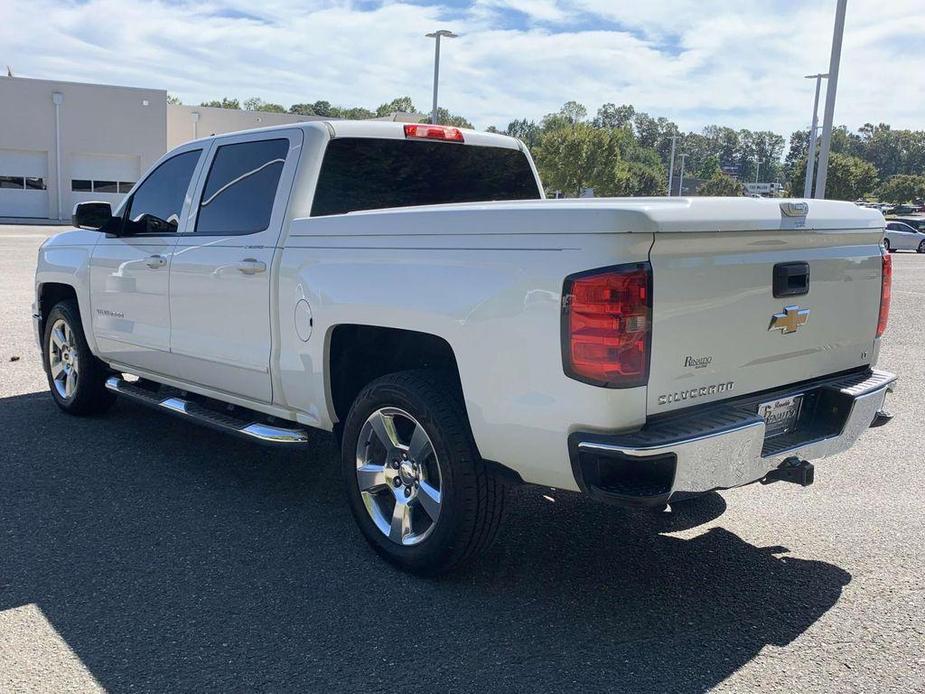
[{"x": 695, "y": 393}]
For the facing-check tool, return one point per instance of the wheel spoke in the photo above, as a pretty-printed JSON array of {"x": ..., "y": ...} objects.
[
  {"x": 420, "y": 446},
  {"x": 68, "y": 336},
  {"x": 70, "y": 383},
  {"x": 371, "y": 476},
  {"x": 401, "y": 522},
  {"x": 384, "y": 427},
  {"x": 57, "y": 338},
  {"x": 429, "y": 498},
  {"x": 57, "y": 368},
  {"x": 74, "y": 364}
]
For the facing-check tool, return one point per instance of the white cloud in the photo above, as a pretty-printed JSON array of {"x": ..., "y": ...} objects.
[{"x": 712, "y": 61}]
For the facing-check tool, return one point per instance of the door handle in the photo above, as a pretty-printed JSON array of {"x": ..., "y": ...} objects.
[
  {"x": 251, "y": 266},
  {"x": 155, "y": 261}
]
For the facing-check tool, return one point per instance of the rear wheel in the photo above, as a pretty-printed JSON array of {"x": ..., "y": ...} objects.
[
  {"x": 76, "y": 378},
  {"x": 416, "y": 486},
  {"x": 886, "y": 245},
  {"x": 921, "y": 248}
]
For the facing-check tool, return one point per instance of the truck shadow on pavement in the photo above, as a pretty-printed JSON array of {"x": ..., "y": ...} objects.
[{"x": 169, "y": 557}]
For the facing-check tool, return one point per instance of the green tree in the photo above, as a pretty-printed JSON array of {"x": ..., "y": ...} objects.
[
  {"x": 444, "y": 117},
  {"x": 710, "y": 168},
  {"x": 526, "y": 131},
  {"x": 902, "y": 188},
  {"x": 573, "y": 159},
  {"x": 721, "y": 185},
  {"x": 255, "y": 103},
  {"x": 612, "y": 116},
  {"x": 174, "y": 100},
  {"x": 356, "y": 113},
  {"x": 402, "y": 104},
  {"x": 574, "y": 111},
  {"x": 849, "y": 177},
  {"x": 319, "y": 108},
  {"x": 224, "y": 103}
]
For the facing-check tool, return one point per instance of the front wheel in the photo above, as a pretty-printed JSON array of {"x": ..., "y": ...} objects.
[
  {"x": 886, "y": 246},
  {"x": 921, "y": 248},
  {"x": 416, "y": 486},
  {"x": 76, "y": 378}
]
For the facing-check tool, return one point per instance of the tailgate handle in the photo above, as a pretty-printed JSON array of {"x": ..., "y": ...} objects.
[{"x": 791, "y": 279}]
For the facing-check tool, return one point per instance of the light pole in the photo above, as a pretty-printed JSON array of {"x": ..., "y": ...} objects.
[
  {"x": 439, "y": 34},
  {"x": 681, "y": 177},
  {"x": 757, "y": 171},
  {"x": 823, "y": 171},
  {"x": 811, "y": 150},
  {"x": 674, "y": 141}
]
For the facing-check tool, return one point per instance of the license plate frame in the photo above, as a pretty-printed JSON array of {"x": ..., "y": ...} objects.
[{"x": 781, "y": 415}]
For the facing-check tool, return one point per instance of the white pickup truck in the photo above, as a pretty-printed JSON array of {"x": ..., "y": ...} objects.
[{"x": 409, "y": 288}]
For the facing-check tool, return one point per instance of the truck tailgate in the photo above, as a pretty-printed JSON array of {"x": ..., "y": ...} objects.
[{"x": 718, "y": 331}]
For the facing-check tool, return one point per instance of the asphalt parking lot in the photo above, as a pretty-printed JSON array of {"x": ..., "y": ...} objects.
[{"x": 141, "y": 553}]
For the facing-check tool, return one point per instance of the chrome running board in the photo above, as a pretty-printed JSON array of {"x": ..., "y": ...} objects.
[{"x": 248, "y": 426}]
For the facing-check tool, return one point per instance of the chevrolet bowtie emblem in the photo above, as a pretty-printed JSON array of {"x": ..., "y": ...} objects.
[{"x": 790, "y": 320}]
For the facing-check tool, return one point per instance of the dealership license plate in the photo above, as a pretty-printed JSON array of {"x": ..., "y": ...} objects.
[{"x": 781, "y": 415}]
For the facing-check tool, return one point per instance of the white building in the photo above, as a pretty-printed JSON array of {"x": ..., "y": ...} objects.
[{"x": 66, "y": 142}]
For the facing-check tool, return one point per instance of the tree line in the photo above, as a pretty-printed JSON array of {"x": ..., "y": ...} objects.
[{"x": 620, "y": 151}]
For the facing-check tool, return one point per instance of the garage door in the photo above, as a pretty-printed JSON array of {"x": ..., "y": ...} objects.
[
  {"x": 24, "y": 183},
  {"x": 100, "y": 177}
]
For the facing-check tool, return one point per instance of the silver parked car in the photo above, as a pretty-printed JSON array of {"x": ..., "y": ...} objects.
[{"x": 900, "y": 236}]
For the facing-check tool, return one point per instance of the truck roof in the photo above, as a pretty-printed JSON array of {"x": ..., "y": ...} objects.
[{"x": 389, "y": 130}]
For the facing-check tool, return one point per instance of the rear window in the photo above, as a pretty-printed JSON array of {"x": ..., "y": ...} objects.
[{"x": 370, "y": 174}]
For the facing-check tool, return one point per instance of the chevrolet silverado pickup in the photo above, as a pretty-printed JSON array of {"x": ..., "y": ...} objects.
[{"x": 410, "y": 289}]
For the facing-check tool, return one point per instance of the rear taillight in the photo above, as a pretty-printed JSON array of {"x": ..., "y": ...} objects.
[
  {"x": 606, "y": 325},
  {"x": 886, "y": 292},
  {"x": 419, "y": 131}
]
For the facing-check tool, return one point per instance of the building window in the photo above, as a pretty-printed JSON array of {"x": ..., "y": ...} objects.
[
  {"x": 16, "y": 182},
  {"x": 35, "y": 183},
  {"x": 85, "y": 186}
]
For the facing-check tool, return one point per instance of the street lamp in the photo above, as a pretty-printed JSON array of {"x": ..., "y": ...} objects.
[
  {"x": 811, "y": 150},
  {"x": 439, "y": 34},
  {"x": 823, "y": 171},
  {"x": 681, "y": 177},
  {"x": 674, "y": 141}
]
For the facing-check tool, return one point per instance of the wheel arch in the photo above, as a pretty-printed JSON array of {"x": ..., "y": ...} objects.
[
  {"x": 48, "y": 295},
  {"x": 358, "y": 354}
]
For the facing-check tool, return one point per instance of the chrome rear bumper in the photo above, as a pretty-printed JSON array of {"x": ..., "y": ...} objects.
[{"x": 724, "y": 446}]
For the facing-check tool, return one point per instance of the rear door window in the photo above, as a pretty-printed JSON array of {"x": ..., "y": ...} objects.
[
  {"x": 368, "y": 174},
  {"x": 241, "y": 187}
]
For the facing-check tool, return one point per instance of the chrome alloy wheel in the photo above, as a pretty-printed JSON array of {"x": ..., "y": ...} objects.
[
  {"x": 62, "y": 359},
  {"x": 399, "y": 476}
]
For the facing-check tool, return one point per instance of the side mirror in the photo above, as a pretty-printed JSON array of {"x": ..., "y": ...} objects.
[{"x": 92, "y": 215}]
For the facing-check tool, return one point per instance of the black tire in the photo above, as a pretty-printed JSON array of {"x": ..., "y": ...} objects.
[
  {"x": 89, "y": 395},
  {"x": 886, "y": 245},
  {"x": 472, "y": 499},
  {"x": 921, "y": 248}
]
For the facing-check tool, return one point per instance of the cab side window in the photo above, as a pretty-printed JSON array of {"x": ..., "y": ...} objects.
[
  {"x": 156, "y": 206},
  {"x": 241, "y": 187}
]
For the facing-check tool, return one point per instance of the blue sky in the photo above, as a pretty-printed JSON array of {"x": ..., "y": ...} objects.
[{"x": 732, "y": 62}]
